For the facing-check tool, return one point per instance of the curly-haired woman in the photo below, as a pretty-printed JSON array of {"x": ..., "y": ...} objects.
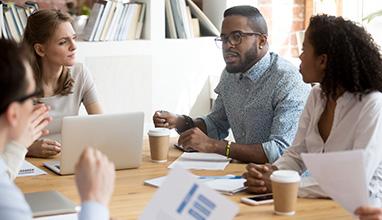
[{"x": 344, "y": 112}]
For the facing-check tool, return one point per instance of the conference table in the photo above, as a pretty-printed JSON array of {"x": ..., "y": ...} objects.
[{"x": 131, "y": 196}]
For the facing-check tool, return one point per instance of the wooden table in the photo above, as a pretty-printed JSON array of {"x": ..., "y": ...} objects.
[{"x": 131, "y": 196}]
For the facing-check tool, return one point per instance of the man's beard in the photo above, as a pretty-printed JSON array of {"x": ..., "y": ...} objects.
[{"x": 245, "y": 64}]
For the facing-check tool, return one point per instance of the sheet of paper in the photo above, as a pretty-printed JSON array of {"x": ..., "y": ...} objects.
[
  {"x": 72, "y": 216},
  {"x": 201, "y": 161},
  {"x": 341, "y": 175},
  {"x": 182, "y": 196},
  {"x": 223, "y": 184},
  {"x": 28, "y": 169},
  {"x": 227, "y": 186}
]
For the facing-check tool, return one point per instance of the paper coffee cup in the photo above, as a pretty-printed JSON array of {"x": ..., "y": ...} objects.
[
  {"x": 159, "y": 139},
  {"x": 285, "y": 185}
]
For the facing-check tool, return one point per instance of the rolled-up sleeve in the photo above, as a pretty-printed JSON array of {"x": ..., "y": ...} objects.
[
  {"x": 13, "y": 156},
  {"x": 216, "y": 122},
  {"x": 289, "y": 102},
  {"x": 291, "y": 159}
]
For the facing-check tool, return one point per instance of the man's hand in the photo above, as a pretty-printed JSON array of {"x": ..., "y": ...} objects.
[
  {"x": 258, "y": 178},
  {"x": 165, "y": 119},
  {"x": 369, "y": 213},
  {"x": 44, "y": 148},
  {"x": 95, "y": 176},
  {"x": 195, "y": 139},
  {"x": 36, "y": 127}
]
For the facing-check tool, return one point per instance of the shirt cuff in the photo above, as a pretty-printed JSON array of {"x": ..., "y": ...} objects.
[
  {"x": 93, "y": 210},
  {"x": 271, "y": 150},
  {"x": 14, "y": 155}
]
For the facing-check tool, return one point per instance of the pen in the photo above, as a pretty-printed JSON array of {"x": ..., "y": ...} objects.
[{"x": 220, "y": 177}]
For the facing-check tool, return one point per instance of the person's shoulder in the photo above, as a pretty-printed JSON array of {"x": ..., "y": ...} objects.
[
  {"x": 284, "y": 69},
  {"x": 374, "y": 97},
  {"x": 79, "y": 71},
  {"x": 282, "y": 64},
  {"x": 77, "y": 68}
]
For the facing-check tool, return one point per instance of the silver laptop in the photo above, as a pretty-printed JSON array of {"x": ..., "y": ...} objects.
[
  {"x": 118, "y": 136},
  {"x": 49, "y": 203}
]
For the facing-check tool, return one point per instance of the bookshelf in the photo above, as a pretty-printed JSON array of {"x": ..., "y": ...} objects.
[{"x": 155, "y": 72}]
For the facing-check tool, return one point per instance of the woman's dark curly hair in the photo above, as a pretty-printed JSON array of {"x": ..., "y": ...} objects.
[{"x": 354, "y": 63}]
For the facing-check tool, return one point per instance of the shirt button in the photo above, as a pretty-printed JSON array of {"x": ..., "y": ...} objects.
[{"x": 247, "y": 90}]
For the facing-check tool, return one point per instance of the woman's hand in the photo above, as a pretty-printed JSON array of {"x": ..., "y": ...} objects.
[{"x": 44, "y": 148}]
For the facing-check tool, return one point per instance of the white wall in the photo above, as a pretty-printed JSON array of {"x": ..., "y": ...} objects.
[{"x": 151, "y": 75}]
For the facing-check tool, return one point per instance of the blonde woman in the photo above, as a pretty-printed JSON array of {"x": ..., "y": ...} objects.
[{"x": 64, "y": 84}]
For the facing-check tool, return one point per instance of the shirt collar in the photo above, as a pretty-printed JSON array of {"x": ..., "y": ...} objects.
[
  {"x": 259, "y": 68},
  {"x": 343, "y": 100}
]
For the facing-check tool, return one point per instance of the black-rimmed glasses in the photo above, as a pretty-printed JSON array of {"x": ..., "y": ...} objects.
[
  {"x": 22, "y": 99},
  {"x": 235, "y": 38}
]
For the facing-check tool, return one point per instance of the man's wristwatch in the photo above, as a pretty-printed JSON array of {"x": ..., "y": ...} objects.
[{"x": 188, "y": 124}]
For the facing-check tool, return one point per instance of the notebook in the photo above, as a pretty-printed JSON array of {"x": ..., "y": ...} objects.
[{"x": 49, "y": 203}]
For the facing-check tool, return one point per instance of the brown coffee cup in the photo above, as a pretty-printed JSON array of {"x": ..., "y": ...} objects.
[
  {"x": 159, "y": 139},
  {"x": 285, "y": 185}
]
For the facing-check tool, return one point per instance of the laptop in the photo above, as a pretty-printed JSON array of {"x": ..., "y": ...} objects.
[
  {"x": 49, "y": 203},
  {"x": 118, "y": 136}
]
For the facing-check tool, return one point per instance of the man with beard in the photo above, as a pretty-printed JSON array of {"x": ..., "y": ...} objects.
[{"x": 260, "y": 97}]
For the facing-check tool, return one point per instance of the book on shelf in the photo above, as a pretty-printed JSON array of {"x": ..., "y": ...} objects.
[
  {"x": 109, "y": 17},
  {"x": 122, "y": 22},
  {"x": 101, "y": 23},
  {"x": 14, "y": 19},
  {"x": 206, "y": 25},
  {"x": 10, "y": 23},
  {"x": 178, "y": 8},
  {"x": 139, "y": 30},
  {"x": 115, "y": 20},
  {"x": 195, "y": 27},
  {"x": 181, "y": 23},
  {"x": 132, "y": 28},
  {"x": 170, "y": 23},
  {"x": 21, "y": 12},
  {"x": 92, "y": 24}
]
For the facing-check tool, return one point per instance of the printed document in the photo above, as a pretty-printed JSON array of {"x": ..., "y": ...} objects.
[
  {"x": 28, "y": 169},
  {"x": 182, "y": 196},
  {"x": 341, "y": 175},
  {"x": 228, "y": 184}
]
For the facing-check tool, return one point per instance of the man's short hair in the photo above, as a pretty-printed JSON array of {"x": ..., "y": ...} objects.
[{"x": 257, "y": 21}]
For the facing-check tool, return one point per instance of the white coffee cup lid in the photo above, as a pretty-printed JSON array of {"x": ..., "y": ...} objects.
[
  {"x": 285, "y": 176},
  {"x": 159, "y": 132}
]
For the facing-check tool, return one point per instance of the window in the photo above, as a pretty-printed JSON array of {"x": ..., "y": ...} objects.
[{"x": 356, "y": 10}]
